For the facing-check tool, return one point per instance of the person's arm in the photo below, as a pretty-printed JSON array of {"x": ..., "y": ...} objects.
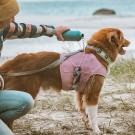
[{"x": 27, "y": 31}]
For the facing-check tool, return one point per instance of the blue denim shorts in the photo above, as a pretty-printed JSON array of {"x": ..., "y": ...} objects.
[{"x": 13, "y": 104}]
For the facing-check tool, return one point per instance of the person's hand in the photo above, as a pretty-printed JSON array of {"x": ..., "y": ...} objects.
[
  {"x": 59, "y": 30},
  {"x": 1, "y": 83}
]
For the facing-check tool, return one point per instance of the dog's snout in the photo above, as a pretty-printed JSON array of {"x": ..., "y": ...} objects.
[{"x": 126, "y": 42}]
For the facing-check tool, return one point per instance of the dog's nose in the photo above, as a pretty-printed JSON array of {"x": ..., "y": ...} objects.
[{"x": 127, "y": 42}]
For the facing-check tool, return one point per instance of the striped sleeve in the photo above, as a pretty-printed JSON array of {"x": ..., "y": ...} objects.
[{"x": 22, "y": 30}]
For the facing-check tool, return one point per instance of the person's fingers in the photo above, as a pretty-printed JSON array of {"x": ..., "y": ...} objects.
[
  {"x": 66, "y": 28},
  {"x": 59, "y": 31},
  {"x": 60, "y": 37},
  {"x": 62, "y": 29}
]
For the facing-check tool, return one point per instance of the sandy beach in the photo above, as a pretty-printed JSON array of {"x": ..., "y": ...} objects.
[{"x": 62, "y": 118}]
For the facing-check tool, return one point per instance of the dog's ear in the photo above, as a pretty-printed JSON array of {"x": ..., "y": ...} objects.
[{"x": 114, "y": 38}]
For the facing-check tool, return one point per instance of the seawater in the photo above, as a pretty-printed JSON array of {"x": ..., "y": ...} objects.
[
  {"x": 56, "y": 12},
  {"x": 75, "y": 7}
]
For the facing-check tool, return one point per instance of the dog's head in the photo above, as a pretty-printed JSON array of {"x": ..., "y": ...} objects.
[{"x": 111, "y": 40}]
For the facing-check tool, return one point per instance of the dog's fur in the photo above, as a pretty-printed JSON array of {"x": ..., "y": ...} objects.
[{"x": 110, "y": 40}]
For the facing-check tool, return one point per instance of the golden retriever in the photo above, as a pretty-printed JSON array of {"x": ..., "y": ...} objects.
[{"x": 105, "y": 45}]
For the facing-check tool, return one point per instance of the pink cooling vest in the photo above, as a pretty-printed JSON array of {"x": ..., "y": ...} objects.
[{"x": 89, "y": 66}]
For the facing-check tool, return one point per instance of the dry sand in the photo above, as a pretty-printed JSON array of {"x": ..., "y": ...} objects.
[{"x": 55, "y": 114}]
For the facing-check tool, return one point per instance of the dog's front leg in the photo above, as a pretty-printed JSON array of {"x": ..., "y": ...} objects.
[
  {"x": 91, "y": 111},
  {"x": 79, "y": 106}
]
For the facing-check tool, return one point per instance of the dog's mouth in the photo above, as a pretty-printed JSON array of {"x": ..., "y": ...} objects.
[{"x": 122, "y": 51}]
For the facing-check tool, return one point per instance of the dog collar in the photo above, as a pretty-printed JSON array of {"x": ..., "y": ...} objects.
[{"x": 101, "y": 53}]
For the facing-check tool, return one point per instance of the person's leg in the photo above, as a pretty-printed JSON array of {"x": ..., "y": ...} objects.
[
  {"x": 14, "y": 104},
  {"x": 4, "y": 130}
]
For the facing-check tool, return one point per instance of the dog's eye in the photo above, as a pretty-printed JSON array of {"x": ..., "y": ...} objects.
[{"x": 113, "y": 39}]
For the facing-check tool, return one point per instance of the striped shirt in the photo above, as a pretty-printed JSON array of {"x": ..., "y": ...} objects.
[{"x": 22, "y": 30}]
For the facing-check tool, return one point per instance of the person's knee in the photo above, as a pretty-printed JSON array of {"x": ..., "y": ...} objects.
[
  {"x": 15, "y": 104},
  {"x": 27, "y": 103}
]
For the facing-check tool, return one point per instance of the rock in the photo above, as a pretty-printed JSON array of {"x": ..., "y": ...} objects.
[{"x": 104, "y": 12}]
